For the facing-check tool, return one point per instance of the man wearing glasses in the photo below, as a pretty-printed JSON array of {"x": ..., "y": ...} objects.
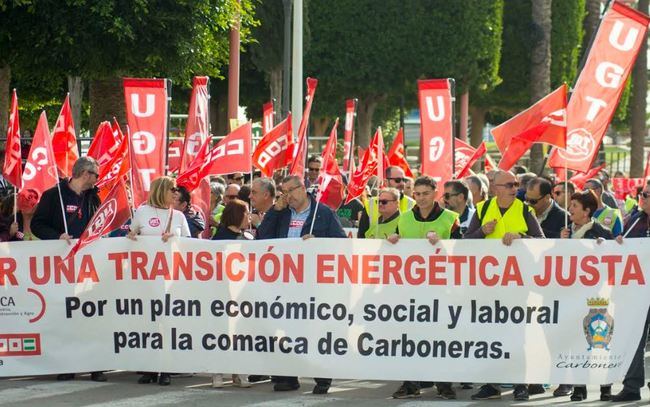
[
  {"x": 560, "y": 194},
  {"x": 550, "y": 216},
  {"x": 426, "y": 220},
  {"x": 456, "y": 199},
  {"x": 292, "y": 216},
  {"x": 80, "y": 200},
  {"x": 395, "y": 178},
  {"x": 638, "y": 226},
  {"x": 232, "y": 192},
  {"x": 388, "y": 215},
  {"x": 236, "y": 178},
  {"x": 607, "y": 216},
  {"x": 314, "y": 164},
  {"x": 507, "y": 218}
]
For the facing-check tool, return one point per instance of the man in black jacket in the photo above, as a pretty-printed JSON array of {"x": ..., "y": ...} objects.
[
  {"x": 292, "y": 216},
  {"x": 550, "y": 215},
  {"x": 182, "y": 202},
  {"x": 80, "y": 200}
]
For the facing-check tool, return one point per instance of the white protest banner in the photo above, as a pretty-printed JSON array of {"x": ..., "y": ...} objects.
[{"x": 540, "y": 311}]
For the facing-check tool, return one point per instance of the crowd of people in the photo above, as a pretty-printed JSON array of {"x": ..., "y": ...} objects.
[{"x": 497, "y": 205}]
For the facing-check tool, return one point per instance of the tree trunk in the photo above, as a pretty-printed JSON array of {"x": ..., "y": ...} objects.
[
  {"x": 477, "y": 115},
  {"x": 365, "y": 111},
  {"x": 540, "y": 69},
  {"x": 5, "y": 98},
  {"x": 219, "y": 114},
  {"x": 638, "y": 114},
  {"x": 275, "y": 83},
  {"x": 106, "y": 99},
  {"x": 590, "y": 24},
  {"x": 76, "y": 89}
]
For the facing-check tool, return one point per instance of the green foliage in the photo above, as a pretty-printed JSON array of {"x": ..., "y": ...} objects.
[{"x": 566, "y": 39}]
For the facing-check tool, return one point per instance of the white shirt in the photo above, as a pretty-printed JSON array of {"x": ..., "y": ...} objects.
[{"x": 150, "y": 221}]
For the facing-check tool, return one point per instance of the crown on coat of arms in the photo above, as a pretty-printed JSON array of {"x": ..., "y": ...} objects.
[{"x": 597, "y": 302}]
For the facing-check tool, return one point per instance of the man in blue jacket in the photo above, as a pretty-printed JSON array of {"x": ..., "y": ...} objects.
[{"x": 292, "y": 217}]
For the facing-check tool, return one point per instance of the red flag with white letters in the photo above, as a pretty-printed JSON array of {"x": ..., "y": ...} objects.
[
  {"x": 191, "y": 177},
  {"x": 115, "y": 170},
  {"x": 64, "y": 140},
  {"x": 600, "y": 85},
  {"x": 231, "y": 154},
  {"x": 274, "y": 150},
  {"x": 543, "y": 122},
  {"x": 12, "y": 167},
  {"x": 110, "y": 215},
  {"x": 348, "y": 135},
  {"x": 40, "y": 173},
  {"x": 146, "y": 113},
  {"x": 196, "y": 128},
  {"x": 300, "y": 150},
  {"x": 174, "y": 155},
  {"x": 436, "y": 131},
  {"x": 478, "y": 153},
  {"x": 367, "y": 168},
  {"x": 267, "y": 118},
  {"x": 104, "y": 144},
  {"x": 396, "y": 154}
]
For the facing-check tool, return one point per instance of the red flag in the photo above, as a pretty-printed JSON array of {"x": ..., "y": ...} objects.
[
  {"x": 231, "y": 154},
  {"x": 40, "y": 172},
  {"x": 267, "y": 118},
  {"x": 298, "y": 164},
  {"x": 367, "y": 169},
  {"x": 360, "y": 153},
  {"x": 331, "y": 189},
  {"x": 115, "y": 170},
  {"x": 490, "y": 164},
  {"x": 174, "y": 155},
  {"x": 196, "y": 128},
  {"x": 191, "y": 177},
  {"x": 580, "y": 178},
  {"x": 12, "y": 167},
  {"x": 543, "y": 122},
  {"x": 478, "y": 153},
  {"x": 146, "y": 113},
  {"x": 647, "y": 167},
  {"x": 348, "y": 135},
  {"x": 396, "y": 154},
  {"x": 64, "y": 140},
  {"x": 104, "y": 144},
  {"x": 273, "y": 150},
  {"x": 201, "y": 201},
  {"x": 436, "y": 130},
  {"x": 600, "y": 85},
  {"x": 622, "y": 187},
  {"x": 112, "y": 214}
]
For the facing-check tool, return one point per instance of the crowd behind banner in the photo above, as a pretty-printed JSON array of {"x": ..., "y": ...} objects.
[{"x": 497, "y": 205}]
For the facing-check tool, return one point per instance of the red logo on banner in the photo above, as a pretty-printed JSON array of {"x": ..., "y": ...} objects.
[
  {"x": 436, "y": 129},
  {"x": 146, "y": 112},
  {"x": 600, "y": 85},
  {"x": 23, "y": 344}
]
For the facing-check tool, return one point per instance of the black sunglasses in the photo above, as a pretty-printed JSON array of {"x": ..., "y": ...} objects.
[
  {"x": 385, "y": 201},
  {"x": 508, "y": 185},
  {"x": 645, "y": 195},
  {"x": 398, "y": 179}
]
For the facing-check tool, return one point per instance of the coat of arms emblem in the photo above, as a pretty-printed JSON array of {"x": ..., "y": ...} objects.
[{"x": 598, "y": 325}]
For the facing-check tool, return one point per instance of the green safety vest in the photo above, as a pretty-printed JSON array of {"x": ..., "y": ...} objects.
[
  {"x": 513, "y": 221},
  {"x": 410, "y": 228},
  {"x": 217, "y": 218},
  {"x": 383, "y": 230},
  {"x": 630, "y": 203},
  {"x": 608, "y": 217}
]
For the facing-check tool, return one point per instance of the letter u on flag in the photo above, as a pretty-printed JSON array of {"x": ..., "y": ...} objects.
[
  {"x": 600, "y": 85},
  {"x": 436, "y": 129},
  {"x": 146, "y": 113},
  {"x": 543, "y": 122}
]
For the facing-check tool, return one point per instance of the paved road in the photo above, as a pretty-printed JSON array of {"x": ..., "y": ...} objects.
[{"x": 122, "y": 390}]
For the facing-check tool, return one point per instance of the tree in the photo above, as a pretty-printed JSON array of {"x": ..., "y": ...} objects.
[
  {"x": 639, "y": 105},
  {"x": 378, "y": 56}
]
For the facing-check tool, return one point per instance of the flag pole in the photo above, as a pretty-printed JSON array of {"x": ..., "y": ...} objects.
[
  {"x": 566, "y": 191},
  {"x": 65, "y": 221},
  {"x": 313, "y": 218},
  {"x": 15, "y": 205}
]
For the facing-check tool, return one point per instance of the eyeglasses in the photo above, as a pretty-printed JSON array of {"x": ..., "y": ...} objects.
[
  {"x": 398, "y": 180},
  {"x": 508, "y": 185},
  {"x": 93, "y": 173},
  {"x": 313, "y": 169},
  {"x": 385, "y": 201},
  {"x": 290, "y": 190},
  {"x": 533, "y": 201},
  {"x": 449, "y": 195},
  {"x": 645, "y": 195}
]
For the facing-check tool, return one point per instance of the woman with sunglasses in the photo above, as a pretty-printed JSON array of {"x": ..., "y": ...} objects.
[
  {"x": 583, "y": 226},
  {"x": 158, "y": 218}
]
